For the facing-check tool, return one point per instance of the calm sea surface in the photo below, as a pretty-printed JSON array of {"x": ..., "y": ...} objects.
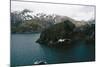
[{"x": 25, "y": 51}]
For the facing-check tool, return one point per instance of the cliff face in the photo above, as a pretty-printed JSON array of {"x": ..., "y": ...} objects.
[
  {"x": 58, "y": 34},
  {"x": 65, "y": 33}
]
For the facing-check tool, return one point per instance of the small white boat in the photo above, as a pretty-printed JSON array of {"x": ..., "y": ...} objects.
[{"x": 40, "y": 62}]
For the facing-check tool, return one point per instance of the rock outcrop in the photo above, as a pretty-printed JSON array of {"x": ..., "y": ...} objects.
[
  {"x": 58, "y": 35},
  {"x": 65, "y": 33}
]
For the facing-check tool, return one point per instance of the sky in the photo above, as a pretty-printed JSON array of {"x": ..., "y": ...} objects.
[{"x": 77, "y": 12}]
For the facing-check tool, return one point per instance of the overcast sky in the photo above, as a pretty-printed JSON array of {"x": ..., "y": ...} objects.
[{"x": 77, "y": 12}]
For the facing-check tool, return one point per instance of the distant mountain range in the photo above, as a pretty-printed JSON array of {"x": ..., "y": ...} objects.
[{"x": 23, "y": 22}]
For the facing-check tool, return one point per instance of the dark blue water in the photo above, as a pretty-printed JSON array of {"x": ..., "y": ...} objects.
[{"x": 24, "y": 51}]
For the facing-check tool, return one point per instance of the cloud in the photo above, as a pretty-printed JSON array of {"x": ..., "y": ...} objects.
[{"x": 77, "y": 12}]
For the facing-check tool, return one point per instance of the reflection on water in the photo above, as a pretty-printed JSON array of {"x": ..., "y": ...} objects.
[{"x": 24, "y": 51}]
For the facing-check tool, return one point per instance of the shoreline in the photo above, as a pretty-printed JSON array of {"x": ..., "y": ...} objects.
[{"x": 25, "y": 32}]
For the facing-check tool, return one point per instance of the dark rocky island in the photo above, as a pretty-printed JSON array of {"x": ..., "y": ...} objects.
[{"x": 65, "y": 33}]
